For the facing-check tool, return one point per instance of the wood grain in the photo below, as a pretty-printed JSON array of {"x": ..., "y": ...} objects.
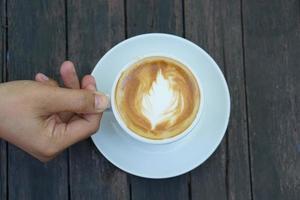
[
  {"x": 172, "y": 188},
  {"x": 155, "y": 16},
  {"x": 256, "y": 44},
  {"x": 93, "y": 28},
  {"x": 3, "y": 144},
  {"x": 144, "y": 16},
  {"x": 216, "y": 27},
  {"x": 36, "y": 42},
  {"x": 272, "y": 49}
]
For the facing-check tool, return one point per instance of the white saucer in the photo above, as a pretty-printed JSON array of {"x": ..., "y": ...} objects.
[{"x": 173, "y": 159}]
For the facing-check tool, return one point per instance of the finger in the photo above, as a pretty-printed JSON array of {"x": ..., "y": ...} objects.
[
  {"x": 69, "y": 75},
  {"x": 81, "y": 128},
  {"x": 88, "y": 80},
  {"x": 42, "y": 78},
  {"x": 73, "y": 100},
  {"x": 70, "y": 80},
  {"x": 85, "y": 82},
  {"x": 89, "y": 83}
]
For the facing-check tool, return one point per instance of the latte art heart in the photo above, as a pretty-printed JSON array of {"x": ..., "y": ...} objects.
[{"x": 157, "y": 97}]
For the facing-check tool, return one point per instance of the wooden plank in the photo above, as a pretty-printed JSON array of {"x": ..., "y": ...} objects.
[
  {"x": 3, "y": 144},
  {"x": 172, "y": 188},
  {"x": 155, "y": 16},
  {"x": 93, "y": 28},
  {"x": 272, "y": 49},
  {"x": 144, "y": 16},
  {"x": 36, "y": 43},
  {"x": 216, "y": 27}
]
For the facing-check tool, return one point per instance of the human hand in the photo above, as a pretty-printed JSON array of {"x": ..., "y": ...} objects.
[{"x": 44, "y": 119}]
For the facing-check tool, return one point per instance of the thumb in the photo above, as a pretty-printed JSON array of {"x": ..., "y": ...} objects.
[{"x": 75, "y": 100}]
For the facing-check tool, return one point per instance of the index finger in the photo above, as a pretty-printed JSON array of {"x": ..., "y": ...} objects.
[{"x": 69, "y": 75}]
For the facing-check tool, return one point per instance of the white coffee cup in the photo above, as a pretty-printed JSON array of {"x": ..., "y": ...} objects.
[{"x": 134, "y": 135}]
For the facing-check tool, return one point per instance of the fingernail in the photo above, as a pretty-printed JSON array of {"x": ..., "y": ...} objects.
[
  {"x": 101, "y": 102},
  {"x": 43, "y": 77}
]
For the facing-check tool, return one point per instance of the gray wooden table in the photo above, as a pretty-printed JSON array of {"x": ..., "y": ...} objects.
[{"x": 257, "y": 45}]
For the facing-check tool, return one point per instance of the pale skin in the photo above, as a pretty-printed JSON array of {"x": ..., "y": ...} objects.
[{"x": 43, "y": 119}]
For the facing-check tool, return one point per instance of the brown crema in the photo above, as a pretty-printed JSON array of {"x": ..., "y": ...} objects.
[{"x": 140, "y": 90}]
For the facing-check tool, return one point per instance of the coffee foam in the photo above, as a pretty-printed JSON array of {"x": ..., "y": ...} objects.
[
  {"x": 161, "y": 102},
  {"x": 157, "y": 97}
]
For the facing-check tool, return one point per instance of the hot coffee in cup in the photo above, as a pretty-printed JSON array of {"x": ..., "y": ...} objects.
[{"x": 156, "y": 98}]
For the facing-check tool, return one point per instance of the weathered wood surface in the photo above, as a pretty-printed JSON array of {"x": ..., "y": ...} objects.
[
  {"x": 93, "y": 28},
  {"x": 144, "y": 16},
  {"x": 272, "y": 49},
  {"x": 36, "y": 43},
  {"x": 257, "y": 46}
]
